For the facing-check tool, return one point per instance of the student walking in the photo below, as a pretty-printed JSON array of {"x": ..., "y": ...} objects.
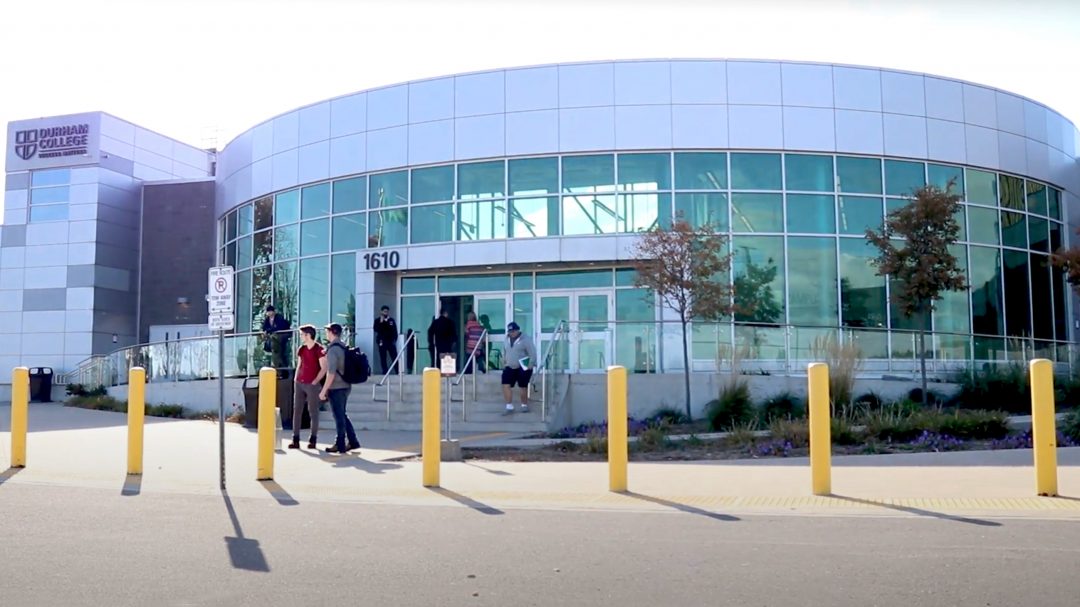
[
  {"x": 309, "y": 372},
  {"x": 518, "y": 369},
  {"x": 473, "y": 331},
  {"x": 336, "y": 390},
  {"x": 443, "y": 334},
  {"x": 386, "y": 334}
]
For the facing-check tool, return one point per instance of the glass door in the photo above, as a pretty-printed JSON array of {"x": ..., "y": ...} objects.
[
  {"x": 586, "y": 314},
  {"x": 493, "y": 313}
]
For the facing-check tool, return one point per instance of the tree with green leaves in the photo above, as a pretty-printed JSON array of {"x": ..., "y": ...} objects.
[
  {"x": 913, "y": 246},
  {"x": 686, "y": 267},
  {"x": 1069, "y": 261}
]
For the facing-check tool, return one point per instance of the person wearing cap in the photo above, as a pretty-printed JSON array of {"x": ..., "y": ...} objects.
[
  {"x": 520, "y": 358},
  {"x": 276, "y": 336}
]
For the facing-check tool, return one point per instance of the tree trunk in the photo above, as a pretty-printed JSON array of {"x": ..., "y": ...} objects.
[
  {"x": 922, "y": 354},
  {"x": 686, "y": 371}
]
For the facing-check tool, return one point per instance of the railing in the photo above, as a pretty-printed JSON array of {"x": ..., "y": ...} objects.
[
  {"x": 547, "y": 371},
  {"x": 469, "y": 371},
  {"x": 399, "y": 366},
  {"x": 640, "y": 346}
]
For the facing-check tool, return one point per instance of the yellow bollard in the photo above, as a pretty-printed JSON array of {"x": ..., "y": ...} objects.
[
  {"x": 267, "y": 406},
  {"x": 617, "y": 428},
  {"x": 136, "y": 413},
  {"x": 430, "y": 449},
  {"x": 20, "y": 404},
  {"x": 1043, "y": 430},
  {"x": 820, "y": 429}
]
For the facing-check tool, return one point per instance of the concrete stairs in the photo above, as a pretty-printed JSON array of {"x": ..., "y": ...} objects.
[{"x": 484, "y": 414}]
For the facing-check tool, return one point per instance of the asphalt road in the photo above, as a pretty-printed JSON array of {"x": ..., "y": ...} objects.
[{"x": 77, "y": 546}]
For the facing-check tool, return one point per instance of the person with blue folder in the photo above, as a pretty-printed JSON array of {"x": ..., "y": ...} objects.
[{"x": 520, "y": 357}]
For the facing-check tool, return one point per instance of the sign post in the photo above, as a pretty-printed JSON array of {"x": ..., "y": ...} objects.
[
  {"x": 220, "y": 299},
  {"x": 448, "y": 369}
]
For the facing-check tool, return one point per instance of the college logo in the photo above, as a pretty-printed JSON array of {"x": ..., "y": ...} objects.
[
  {"x": 53, "y": 142},
  {"x": 26, "y": 146}
]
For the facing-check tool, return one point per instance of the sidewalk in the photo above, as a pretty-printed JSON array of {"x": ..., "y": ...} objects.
[{"x": 75, "y": 447}]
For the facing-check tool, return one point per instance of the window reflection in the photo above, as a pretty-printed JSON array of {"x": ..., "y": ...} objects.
[
  {"x": 534, "y": 217},
  {"x": 588, "y": 214}
]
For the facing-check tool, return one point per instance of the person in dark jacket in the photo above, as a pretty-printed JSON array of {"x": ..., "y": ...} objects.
[
  {"x": 276, "y": 334},
  {"x": 386, "y": 334},
  {"x": 443, "y": 335}
]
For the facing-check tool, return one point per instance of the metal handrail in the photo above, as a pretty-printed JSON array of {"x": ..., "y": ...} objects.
[
  {"x": 395, "y": 365},
  {"x": 459, "y": 380},
  {"x": 543, "y": 370}
]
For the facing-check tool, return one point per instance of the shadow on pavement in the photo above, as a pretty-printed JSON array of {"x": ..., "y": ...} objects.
[
  {"x": 467, "y": 501},
  {"x": 489, "y": 470},
  {"x": 132, "y": 485},
  {"x": 351, "y": 460},
  {"x": 279, "y": 493},
  {"x": 683, "y": 507},
  {"x": 920, "y": 511},
  {"x": 6, "y": 475},
  {"x": 244, "y": 553}
]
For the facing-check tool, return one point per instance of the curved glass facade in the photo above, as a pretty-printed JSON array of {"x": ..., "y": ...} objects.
[{"x": 796, "y": 224}]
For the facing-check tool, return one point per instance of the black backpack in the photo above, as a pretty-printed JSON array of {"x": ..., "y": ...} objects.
[{"x": 356, "y": 368}]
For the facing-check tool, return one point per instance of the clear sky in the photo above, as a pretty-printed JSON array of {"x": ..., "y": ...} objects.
[{"x": 197, "y": 68}]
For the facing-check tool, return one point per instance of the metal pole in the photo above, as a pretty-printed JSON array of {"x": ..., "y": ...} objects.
[
  {"x": 221, "y": 405},
  {"x": 447, "y": 405}
]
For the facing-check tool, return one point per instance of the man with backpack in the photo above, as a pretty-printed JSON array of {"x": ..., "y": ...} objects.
[{"x": 340, "y": 374}]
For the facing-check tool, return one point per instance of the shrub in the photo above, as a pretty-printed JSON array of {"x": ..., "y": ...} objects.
[
  {"x": 742, "y": 435},
  {"x": 98, "y": 403},
  {"x": 1067, "y": 392},
  {"x": 843, "y": 433},
  {"x": 1004, "y": 388},
  {"x": 795, "y": 432},
  {"x": 969, "y": 425},
  {"x": 869, "y": 400},
  {"x": 596, "y": 443},
  {"x": 933, "y": 397},
  {"x": 845, "y": 360},
  {"x": 668, "y": 415},
  {"x": 83, "y": 390},
  {"x": 732, "y": 407},
  {"x": 653, "y": 438},
  {"x": 1070, "y": 426},
  {"x": 784, "y": 405},
  {"x": 163, "y": 410}
]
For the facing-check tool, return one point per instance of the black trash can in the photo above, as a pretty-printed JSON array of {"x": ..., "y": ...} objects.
[
  {"x": 41, "y": 384},
  {"x": 284, "y": 401}
]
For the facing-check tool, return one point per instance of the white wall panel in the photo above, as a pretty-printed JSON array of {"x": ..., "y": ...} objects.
[
  {"x": 84, "y": 193},
  {"x": 1012, "y": 153},
  {"x": 10, "y": 301},
  {"x": 46, "y": 255},
  {"x": 699, "y": 82},
  {"x": 52, "y": 232},
  {"x": 534, "y": 88},
  {"x": 285, "y": 167},
  {"x": 11, "y": 322},
  {"x": 431, "y": 256},
  {"x": 903, "y": 93},
  {"x": 16, "y": 199},
  {"x": 387, "y": 148},
  {"x": 243, "y": 180},
  {"x": 944, "y": 99},
  {"x": 387, "y": 107},
  {"x": 1055, "y": 131},
  {"x": 78, "y": 320},
  {"x": 78, "y": 342},
  {"x": 755, "y": 126},
  {"x": 532, "y": 250},
  {"x": 262, "y": 141},
  {"x": 1010, "y": 113},
  {"x": 79, "y": 231},
  {"x": 348, "y": 115},
  {"x": 859, "y": 132},
  {"x": 431, "y": 142},
  {"x": 119, "y": 130},
  {"x": 642, "y": 127},
  {"x": 532, "y": 132},
  {"x": 699, "y": 126},
  {"x": 905, "y": 136},
  {"x": 152, "y": 160},
  {"x": 480, "y": 253},
  {"x": 53, "y": 277},
  {"x": 642, "y": 83},
  {"x": 315, "y": 123},
  {"x": 807, "y": 85},
  {"x": 586, "y": 129},
  {"x": 587, "y": 248},
  {"x": 856, "y": 88},
  {"x": 480, "y": 136},
  {"x": 43, "y": 322},
  {"x": 980, "y": 106},
  {"x": 80, "y": 298},
  {"x": 85, "y": 175},
  {"x": 14, "y": 217},
  {"x": 753, "y": 83},
  {"x": 314, "y": 162},
  {"x": 431, "y": 100},
  {"x": 982, "y": 146},
  {"x": 348, "y": 154},
  {"x": 81, "y": 253},
  {"x": 153, "y": 142},
  {"x": 113, "y": 147},
  {"x": 1035, "y": 121},
  {"x": 809, "y": 129},
  {"x": 286, "y": 132},
  {"x": 587, "y": 85},
  {"x": 13, "y": 257},
  {"x": 52, "y": 346},
  {"x": 12, "y": 278},
  {"x": 480, "y": 94},
  {"x": 1038, "y": 159},
  {"x": 945, "y": 141}
]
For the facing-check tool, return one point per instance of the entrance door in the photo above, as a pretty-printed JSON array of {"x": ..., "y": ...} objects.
[
  {"x": 588, "y": 333},
  {"x": 493, "y": 312}
]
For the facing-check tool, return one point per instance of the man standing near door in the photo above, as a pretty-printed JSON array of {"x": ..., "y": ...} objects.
[
  {"x": 443, "y": 334},
  {"x": 518, "y": 368},
  {"x": 386, "y": 334}
]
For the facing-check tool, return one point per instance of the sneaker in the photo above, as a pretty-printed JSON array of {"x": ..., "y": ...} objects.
[
  {"x": 524, "y": 408},
  {"x": 311, "y": 444},
  {"x": 509, "y": 410},
  {"x": 295, "y": 444}
]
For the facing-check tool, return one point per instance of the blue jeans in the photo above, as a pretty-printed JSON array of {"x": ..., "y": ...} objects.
[{"x": 344, "y": 426}]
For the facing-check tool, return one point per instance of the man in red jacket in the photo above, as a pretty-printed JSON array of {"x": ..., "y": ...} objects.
[{"x": 306, "y": 385}]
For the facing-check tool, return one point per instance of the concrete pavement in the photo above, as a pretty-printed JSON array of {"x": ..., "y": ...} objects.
[{"x": 79, "y": 448}]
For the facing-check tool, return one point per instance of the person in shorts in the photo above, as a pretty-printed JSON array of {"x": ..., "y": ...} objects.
[
  {"x": 309, "y": 373},
  {"x": 518, "y": 370}
]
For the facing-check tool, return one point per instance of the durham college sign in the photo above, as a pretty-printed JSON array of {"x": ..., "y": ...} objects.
[{"x": 53, "y": 142}]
